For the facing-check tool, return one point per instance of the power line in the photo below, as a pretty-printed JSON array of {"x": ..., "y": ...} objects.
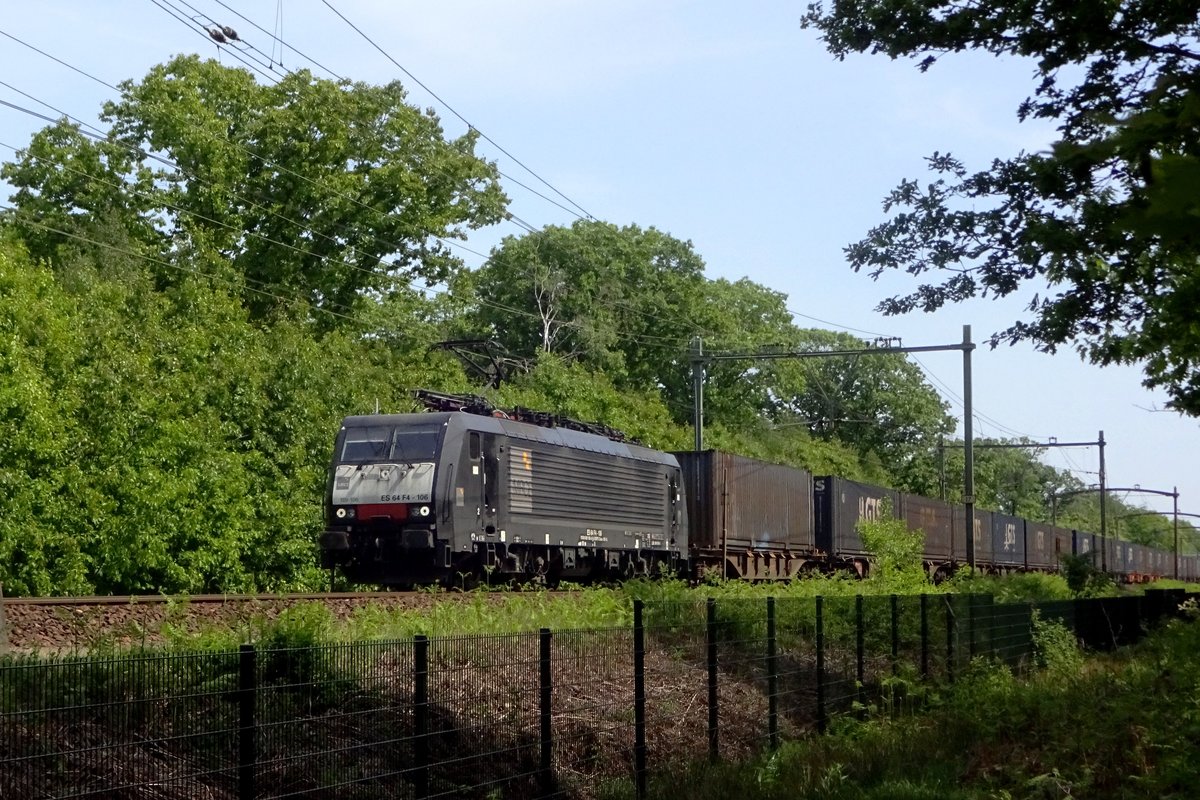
[
  {"x": 104, "y": 136},
  {"x": 199, "y": 28},
  {"x": 59, "y": 60},
  {"x": 169, "y": 265},
  {"x": 453, "y": 111},
  {"x": 278, "y": 38},
  {"x": 206, "y": 34}
]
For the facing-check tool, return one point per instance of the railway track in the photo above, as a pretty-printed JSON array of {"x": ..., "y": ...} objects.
[
  {"x": 63, "y": 624},
  {"x": 135, "y": 599}
]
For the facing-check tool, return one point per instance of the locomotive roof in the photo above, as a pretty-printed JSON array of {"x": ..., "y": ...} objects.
[{"x": 563, "y": 437}]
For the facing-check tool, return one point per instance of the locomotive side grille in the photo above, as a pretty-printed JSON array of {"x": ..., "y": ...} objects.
[{"x": 576, "y": 484}]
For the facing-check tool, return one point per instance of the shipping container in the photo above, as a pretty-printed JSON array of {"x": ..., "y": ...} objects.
[
  {"x": 1008, "y": 541},
  {"x": 1114, "y": 556},
  {"x": 935, "y": 519},
  {"x": 982, "y": 538},
  {"x": 1139, "y": 559},
  {"x": 838, "y": 506},
  {"x": 1045, "y": 545},
  {"x": 753, "y": 517},
  {"x": 1084, "y": 544}
]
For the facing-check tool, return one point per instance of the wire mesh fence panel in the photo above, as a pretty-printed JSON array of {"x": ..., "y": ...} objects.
[
  {"x": 334, "y": 718},
  {"x": 531, "y": 715},
  {"x": 678, "y": 709},
  {"x": 845, "y": 663},
  {"x": 593, "y": 710},
  {"x": 743, "y": 679},
  {"x": 1061, "y": 612},
  {"x": 796, "y": 647},
  {"x": 484, "y": 718},
  {"x": 1011, "y": 634},
  {"x": 78, "y": 727},
  {"x": 962, "y": 639}
]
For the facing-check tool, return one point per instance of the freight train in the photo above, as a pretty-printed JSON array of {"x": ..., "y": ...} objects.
[{"x": 469, "y": 493}]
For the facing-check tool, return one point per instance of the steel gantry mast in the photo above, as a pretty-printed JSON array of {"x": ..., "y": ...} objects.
[{"x": 700, "y": 359}]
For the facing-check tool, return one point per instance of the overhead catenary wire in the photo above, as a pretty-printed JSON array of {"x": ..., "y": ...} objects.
[
  {"x": 525, "y": 226},
  {"x": 176, "y": 267},
  {"x": 454, "y": 111},
  {"x": 204, "y": 32},
  {"x": 410, "y": 283},
  {"x": 103, "y": 135},
  {"x": 200, "y": 29}
]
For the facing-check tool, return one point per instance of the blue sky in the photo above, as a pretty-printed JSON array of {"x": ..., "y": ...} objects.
[{"x": 725, "y": 124}]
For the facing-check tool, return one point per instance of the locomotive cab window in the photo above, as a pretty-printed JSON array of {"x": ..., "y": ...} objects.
[
  {"x": 474, "y": 446},
  {"x": 378, "y": 443},
  {"x": 363, "y": 445},
  {"x": 415, "y": 444}
]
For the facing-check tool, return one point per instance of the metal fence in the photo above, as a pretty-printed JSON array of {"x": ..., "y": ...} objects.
[{"x": 546, "y": 714}]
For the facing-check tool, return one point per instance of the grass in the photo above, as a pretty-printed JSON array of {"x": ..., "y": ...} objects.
[
  {"x": 492, "y": 613},
  {"x": 1113, "y": 728}
]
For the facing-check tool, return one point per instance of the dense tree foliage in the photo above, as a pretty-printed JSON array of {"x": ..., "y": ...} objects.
[
  {"x": 308, "y": 190},
  {"x": 189, "y": 305},
  {"x": 156, "y": 441},
  {"x": 627, "y": 302},
  {"x": 1008, "y": 477},
  {"x": 1103, "y": 225},
  {"x": 879, "y": 405}
]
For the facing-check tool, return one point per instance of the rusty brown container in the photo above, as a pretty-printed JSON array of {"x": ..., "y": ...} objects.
[
  {"x": 983, "y": 538},
  {"x": 936, "y": 519},
  {"x": 737, "y": 504},
  {"x": 1045, "y": 545}
]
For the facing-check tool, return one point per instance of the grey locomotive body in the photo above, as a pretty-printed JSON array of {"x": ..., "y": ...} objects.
[{"x": 452, "y": 496}]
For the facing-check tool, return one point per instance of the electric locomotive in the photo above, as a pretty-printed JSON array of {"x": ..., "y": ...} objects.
[{"x": 453, "y": 497}]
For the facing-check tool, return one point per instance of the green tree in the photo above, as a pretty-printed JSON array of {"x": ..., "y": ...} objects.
[
  {"x": 1008, "y": 478},
  {"x": 308, "y": 191},
  {"x": 1105, "y": 221},
  {"x": 159, "y": 440},
  {"x": 569, "y": 388},
  {"x": 620, "y": 300},
  {"x": 879, "y": 405}
]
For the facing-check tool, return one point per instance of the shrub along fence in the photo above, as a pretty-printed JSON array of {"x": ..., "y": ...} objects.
[{"x": 545, "y": 714}]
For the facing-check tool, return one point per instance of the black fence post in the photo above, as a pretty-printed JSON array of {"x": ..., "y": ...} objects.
[
  {"x": 971, "y": 626},
  {"x": 820, "y": 665},
  {"x": 713, "y": 716},
  {"x": 860, "y": 653},
  {"x": 925, "y": 636},
  {"x": 950, "y": 638},
  {"x": 772, "y": 678},
  {"x": 639, "y": 699},
  {"x": 547, "y": 764},
  {"x": 421, "y": 717},
  {"x": 895, "y": 634},
  {"x": 247, "y": 723}
]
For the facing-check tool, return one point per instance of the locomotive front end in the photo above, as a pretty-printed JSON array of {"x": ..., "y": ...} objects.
[{"x": 380, "y": 520}]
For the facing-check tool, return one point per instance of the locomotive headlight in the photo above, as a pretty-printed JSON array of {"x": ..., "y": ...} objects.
[
  {"x": 341, "y": 513},
  {"x": 423, "y": 511}
]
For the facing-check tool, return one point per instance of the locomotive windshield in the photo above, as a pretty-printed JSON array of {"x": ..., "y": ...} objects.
[{"x": 380, "y": 443}]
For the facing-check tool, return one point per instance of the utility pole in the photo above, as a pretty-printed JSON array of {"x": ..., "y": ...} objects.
[
  {"x": 1103, "y": 490},
  {"x": 698, "y": 367},
  {"x": 700, "y": 360}
]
